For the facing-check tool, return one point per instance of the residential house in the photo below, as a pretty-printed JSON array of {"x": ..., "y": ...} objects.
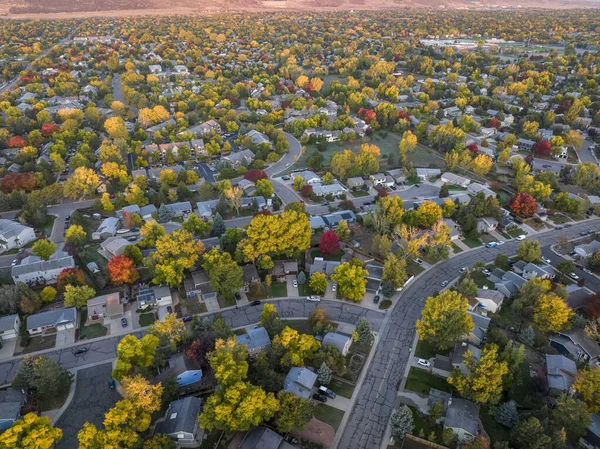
[
  {"x": 476, "y": 188},
  {"x": 132, "y": 209},
  {"x": 308, "y": 177},
  {"x": 257, "y": 138},
  {"x": 460, "y": 353},
  {"x": 114, "y": 246},
  {"x": 560, "y": 373},
  {"x": 578, "y": 296},
  {"x": 323, "y": 266},
  {"x": 300, "y": 381},
  {"x": 510, "y": 284},
  {"x": 341, "y": 342},
  {"x": 355, "y": 183},
  {"x": 425, "y": 173},
  {"x": 532, "y": 270},
  {"x": 147, "y": 212},
  {"x": 481, "y": 324},
  {"x": 187, "y": 373},
  {"x": 454, "y": 229},
  {"x": 463, "y": 418},
  {"x": 240, "y": 158},
  {"x": 264, "y": 438},
  {"x": 525, "y": 144},
  {"x": 490, "y": 300},
  {"x": 52, "y": 321},
  {"x": 316, "y": 222},
  {"x": 486, "y": 224},
  {"x": 334, "y": 218},
  {"x": 34, "y": 270},
  {"x": 256, "y": 340},
  {"x": 451, "y": 112},
  {"x": 442, "y": 366},
  {"x": 108, "y": 228},
  {"x": 14, "y": 235},
  {"x": 281, "y": 268},
  {"x": 10, "y": 411},
  {"x": 576, "y": 343},
  {"x": 436, "y": 396},
  {"x": 591, "y": 440},
  {"x": 154, "y": 296},
  {"x": 104, "y": 308},
  {"x": 374, "y": 275},
  {"x": 206, "y": 208},
  {"x": 378, "y": 179},
  {"x": 250, "y": 275},
  {"x": 247, "y": 186},
  {"x": 587, "y": 250},
  {"x": 398, "y": 175},
  {"x": 179, "y": 209},
  {"x": 9, "y": 326},
  {"x": 455, "y": 180},
  {"x": 181, "y": 424},
  {"x": 334, "y": 189}
]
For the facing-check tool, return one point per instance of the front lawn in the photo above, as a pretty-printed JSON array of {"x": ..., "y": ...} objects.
[
  {"x": 92, "y": 331},
  {"x": 481, "y": 279},
  {"x": 305, "y": 290},
  {"x": 230, "y": 302},
  {"x": 47, "y": 229},
  {"x": 426, "y": 350},
  {"x": 413, "y": 268},
  {"x": 420, "y": 381},
  {"x": 191, "y": 305},
  {"x": 359, "y": 193},
  {"x": 456, "y": 249},
  {"x": 341, "y": 387},
  {"x": 40, "y": 343},
  {"x": 472, "y": 243},
  {"x": 329, "y": 415},
  {"x": 146, "y": 319},
  {"x": 279, "y": 289},
  {"x": 517, "y": 232}
]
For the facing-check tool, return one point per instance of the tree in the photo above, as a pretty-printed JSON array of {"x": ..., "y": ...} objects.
[
  {"x": 381, "y": 245},
  {"x": 218, "y": 225},
  {"x": 402, "y": 421},
  {"x": 483, "y": 381},
  {"x": 70, "y": 276},
  {"x": 31, "y": 432},
  {"x": 482, "y": 164},
  {"x": 196, "y": 226},
  {"x": 133, "y": 351},
  {"x": 75, "y": 235},
  {"x": 429, "y": 213},
  {"x": 329, "y": 243},
  {"x": 324, "y": 374},
  {"x": 523, "y": 204},
  {"x": 467, "y": 287},
  {"x": 264, "y": 187},
  {"x": 170, "y": 328},
  {"x": 318, "y": 283},
  {"x": 164, "y": 216},
  {"x": 501, "y": 261},
  {"x": 48, "y": 294},
  {"x": 301, "y": 278},
  {"x": 551, "y": 313},
  {"x": 107, "y": 204},
  {"x": 116, "y": 129},
  {"x": 587, "y": 384},
  {"x": 363, "y": 332},
  {"x": 43, "y": 375},
  {"x": 200, "y": 348},
  {"x": 444, "y": 319},
  {"x": 529, "y": 434},
  {"x": 78, "y": 295},
  {"x": 394, "y": 271},
  {"x": 391, "y": 209},
  {"x": 160, "y": 441},
  {"x": 174, "y": 254},
  {"x": 234, "y": 195},
  {"x": 351, "y": 279},
  {"x": 121, "y": 270},
  {"x": 294, "y": 412},
  {"x": 507, "y": 414},
  {"x": 444, "y": 190},
  {"x": 134, "y": 253},
  {"x": 343, "y": 231},
  {"x": 529, "y": 250},
  {"x": 572, "y": 415},
  {"x": 527, "y": 336},
  {"x": 225, "y": 275},
  {"x": 299, "y": 347},
  {"x": 44, "y": 249},
  {"x": 269, "y": 319},
  {"x": 83, "y": 182}
]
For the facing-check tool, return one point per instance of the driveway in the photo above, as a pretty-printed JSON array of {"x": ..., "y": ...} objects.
[
  {"x": 65, "y": 338},
  {"x": 116, "y": 328},
  {"x": 91, "y": 401}
]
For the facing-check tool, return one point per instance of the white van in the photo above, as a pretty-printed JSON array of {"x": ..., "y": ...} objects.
[{"x": 313, "y": 298}]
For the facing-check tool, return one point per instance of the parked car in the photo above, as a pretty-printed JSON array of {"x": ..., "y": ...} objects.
[
  {"x": 491, "y": 245},
  {"x": 133, "y": 238},
  {"x": 334, "y": 288},
  {"x": 21, "y": 250},
  {"x": 325, "y": 203},
  {"x": 568, "y": 225},
  {"x": 320, "y": 397},
  {"x": 135, "y": 229},
  {"x": 111, "y": 384},
  {"x": 417, "y": 185},
  {"x": 521, "y": 237},
  {"x": 558, "y": 228},
  {"x": 486, "y": 271},
  {"x": 327, "y": 392},
  {"x": 500, "y": 242},
  {"x": 286, "y": 178},
  {"x": 574, "y": 276},
  {"x": 587, "y": 270},
  {"x": 295, "y": 283},
  {"x": 313, "y": 298},
  {"x": 444, "y": 283},
  {"x": 590, "y": 231},
  {"x": 237, "y": 296},
  {"x": 79, "y": 351},
  {"x": 376, "y": 299},
  {"x": 545, "y": 259},
  {"x": 463, "y": 269},
  {"x": 124, "y": 322},
  {"x": 255, "y": 303},
  {"x": 14, "y": 262},
  {"x": 583, "y": 233},
  {"x": 423, "y": 362},
  {"x": 187, "y": 319},
  {"x": 419, "y": 261}
]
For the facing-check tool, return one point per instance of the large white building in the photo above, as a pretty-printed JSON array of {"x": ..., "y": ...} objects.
[
  {"x": 14, "y": 235},
  {"x": 34, "y": 271}
]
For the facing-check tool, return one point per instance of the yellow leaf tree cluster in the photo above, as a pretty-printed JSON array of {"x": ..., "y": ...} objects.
[
  {"x": 133, "y": 351},
  {"x": 299, "y": 347},
  {"x": 31, "y": 432},
  {"x": 351, "y": 279},
  {"x": 174, "y": 254},
  {"x": 170, "y": 328}
]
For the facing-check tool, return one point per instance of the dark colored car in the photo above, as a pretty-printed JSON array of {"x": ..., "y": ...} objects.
[
  {"x": 568, "y": 225},
  {"x": 111, "y": 384},
  {"x": 255, "y": 303},
  {"x": 79, "y": 351},
  {"x": 376, "y": 300},
  {"x": 320, "y": 397},
  {"x": 134, "y": 230},
  {"x": 124, "y": 322},
  {"x": 187, "y": 319},
  {"x": 238, "y": 296}
]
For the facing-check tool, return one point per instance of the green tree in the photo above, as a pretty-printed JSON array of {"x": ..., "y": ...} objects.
[
  {"x": 324, "y": 374},
  {"x": 269, "y": 319},
  {"x": 218, "y": 225},
  {"x": 363, "y": 332},
  {"x": 44, "y": 249},
  {"x": 572, "y": 415},
  {"x": 402, "y": 421},
  {"x": 43, "y": 375},
  {"x": 529, "y": 250},
  {"x": 225, "y": 275},
  {"x": 48, "y": 294},
  {"x": 294, "y": 412},
  {"x": 78, "y": 295},
  {"x": 133, "y": 253},
  {"x": 318, "y": 283},
  {"x": 529, "y": 434},
  {"x": 507, "y": 414},
  {"x": 467, "y": 287}
]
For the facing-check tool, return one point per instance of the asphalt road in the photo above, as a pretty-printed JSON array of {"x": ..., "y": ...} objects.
[
  {"x": 118, "y": 95},
  {"x": 377, "y": 395},
  {"x": 591, "y": 281},
  {"x": 585, "y": 155},
  {"x": 106, "y": 349}
]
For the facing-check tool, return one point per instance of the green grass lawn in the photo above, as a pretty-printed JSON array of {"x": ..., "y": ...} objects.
[
  {"x": 305, "y": 290},
  {"x": 494, "y": 429},
  {"x": 192, "y": 305},
  {"x": 516, "y": 232},
  {"x": 329, "y": 415},
  {"x": 420, "y": 381},
  {"x": 504, "y": 234},
  {"x": 472, "y": 243},
  {"x": 47, "y": 229},
  {"x": 279, "y": 289},
  {"x": 425, "y": 350},
  {"x": 92, "y": 331},
  {"x": 341, "y": 387},
  {"x": 413, "y": 268},
  {"x": 481, "y": 279},
  {"x": 146, "y": 319},
  {"x": 228, "y": 302},
  {"x": 40, "y": 343},
  {"x": 359, "y": 193},
  {"x": 456, "y": 249},
  {"x": 90, "y": 254},
  {"x": 503, "y": 197},
  {"x": 302, "y": 326}
]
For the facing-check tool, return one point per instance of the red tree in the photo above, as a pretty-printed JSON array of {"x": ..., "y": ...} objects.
[
  {"x": 563, "y": 106},
  {"x": 494, "y": 123},
  {"x": 70, "y": 276},
  {"x": 121, "y": 270},
  {"x": 49, "y": 128},
  {"x": 542, "y": 148},
  {"x": 495, "y": 185},
  {"x": 255, "y": 174},
  {"x": 18, "y": 181},
  {"x": 473, "y": 148},
  {"x": 306, "y": 191},
  {"x": 16, "y": 142},
  {"x": 200, "y": 349},
  {"x": 347, "y": 205},
  {"x": 592, "y": 308},
  {"x": 329, "y": 243},
  {"x": 523, "y": 204}
]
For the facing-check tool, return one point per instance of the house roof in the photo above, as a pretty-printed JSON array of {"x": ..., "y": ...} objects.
[
  {"x": 463, "y": 414},
  {"x": 307, "y": 175},
  {"x": 436, "y": 396},
  {"x": 335, "y": 339},
  {"x": 442, "y": 362},
  {"x": 578, "y": 337},
  {"x": 7, "y": 322},
  {"x": 113, "y": 245},
  {"x": 374, "y": 271},
  {"x": 184, "y": 206},
  {"x": 481, "y": 325},
  {"x": 460, "y": 352},
  {"x": 264, "y": 438},
  {"x": 112, "y": 301},
  {"x": 334, "y": 218},
  {"x": 323, "y": 266},
  {"x": 255, "y": 338},
  {"x": 299, "y": 381},
  {"x": 182, "y": 416},
  {"x": 52, "y": 318},
  {"x": 250, "y": 272},
  {"x": 9, "y": 413},
  {"x": 492, "y": 295},
  {"x": 560, "y": 372},
  {"x": 9, "y": 228},
  {"x": 578, "y": 296},
  {"x": 32, "y": 264}
]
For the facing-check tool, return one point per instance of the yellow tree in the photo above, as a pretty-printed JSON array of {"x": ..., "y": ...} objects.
[
  {"x": 234, "y": 195},
  {"x": 151, "y": 232},
  {"x": 367, "y": 159},
  {"x": 115, "y": 173},
  {"x": 107, "y": 205},
  {"x": 351, "y": 279},
  {"x": 341, "y": 163},
  {"x": 407, "y": 144},
  {"x": 316, "y": 84},
  {"x": 482, "y": 164},
  {"x": 587, "y": 385},
  {"x": 133, "y": 351},
  {"x": 429, "y": 214},
  {"x": 299, "y": 347},
  {"x": 31, "y": 432},
  {"x": 551, "y": 313},
  {"x": 174, "y": 254},
  {"x": 115, "y": 127},
  {"x": 228, "y": 362},
  {"x": 83, "y": 182},
  {"x": 142, "y": 393},
  {"x": 170, "y": 328}
]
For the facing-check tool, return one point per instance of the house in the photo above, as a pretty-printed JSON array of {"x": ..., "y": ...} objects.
[
  {"x": 374, "y": 275},
  {"x": 452, "y": 111},
  {"x": 490, "y": 300},
  {"x": 33, "y": 270},
  {"x": 14, "y": 235},
  {"x": 378, "y": 179},
  {"x": 181, "y": 424},
  {"x": 187, "y": 372},
  {"x": 239, "y": 158},
  {"x": 436, "y": 396},
  {"x": 147, "y": 212},
  {"x": 587, "y": 250},
  {"x": 104, "y": 307},
  {"x": 355, "y": 183},
  {"x": 316, "y": 222},
  {"x": 442, "y": 366},
  {"x": 257, "y": 340},
  {"x": 52, "y": 321},
  {"x": 481, "y": 324},
  {"x": 308, "y": 177},
  {"x": 454, "y": 229},
  {"x": 425, "y": 173},
  {"x": 159, "y": 296},
  {"x": 108, "y": 228},
  {"x": 560, "y": 373},
  {"x": 334, "y": 218},
  {"x": 455, "y": 180},
  {"x": 398, "y": 175},
  {"x": 9, "y": 413},
  {"x": 510, "y": 284},
  {"x": 206, "y": 208},
  {"x": 486, "y": 224},
  {"x": 250, "y": 275},
  {"x": 299, "y": 381},
  {"x": 114, "y": 246},
  {"x": 591, "y": 440},
  {"x": 341, "y": 342},
  {"x": 576, "y": 343},
  {"x": 281, "y": 268},
  {"x": 578, "y": 296},
  {"x": 334, "y": 189},
  {"x": 264, "y": 438},
  {"x": 476, "y": 188},
  {"x": 525, "y": 144},
  {"x": 9, "y": 326},
  {"x": 132, "y": 209},
  {"x": 532, "y": 270},
  {"x": 463, "y": 418},
  {"x": 257, "y": 138},
  {"x": 459, "y": 355},
  {"x": 323, "y": 266},
  {"x": 179, "y": 209}
]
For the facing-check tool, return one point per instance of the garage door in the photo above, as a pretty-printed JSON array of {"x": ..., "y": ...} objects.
[
  {"x": 70, "y": 325},
  {"x": 60, "y": 327},
  {"x": 9, "y": 336}
]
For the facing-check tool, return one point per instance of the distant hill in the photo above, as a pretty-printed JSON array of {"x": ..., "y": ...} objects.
[{"x": 88, "y": 7}]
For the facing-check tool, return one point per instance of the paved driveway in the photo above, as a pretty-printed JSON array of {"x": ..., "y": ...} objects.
[
  {"x": 65, "y": 338},
  {"x": 91, "y": 401}
]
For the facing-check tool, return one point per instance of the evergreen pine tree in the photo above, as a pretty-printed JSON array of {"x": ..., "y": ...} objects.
[
  {"x": 324, "y": 374},
  {"x": 363, "y": 328},
  {"x": 507, "y": 415},
  {"x": 444, "y": 191},
  {"x": 527, "y": 336},
  {"x": 163, "y": 214},
  {"x": 218, "y": 225},
  {"x": 402, "y": 421},
  {"x": 301, "y": 278}
]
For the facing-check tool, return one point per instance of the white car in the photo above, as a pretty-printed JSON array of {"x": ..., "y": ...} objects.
[
  {"x": 313, "y": 298},
  {"x": 486, "y": 271},
  {"x": 334, "y": 288},
  {"x": 419, "y": 261},
  {"x": 521, "y": 237},
  {"x": 500, "y": 242},
  {"x": 574, "y": 276},
  {"x": 462, "y": 270},
  {"x": 587, "y": 270},
  {"x": 546, "y": 260},
  {"x": 295, "y": 283},
  {"x": 122, "y": 231},
  {"x": 423, "y": 362},
  {"x": 444, "y": 283},
  {"x": 14, "y": 262}
]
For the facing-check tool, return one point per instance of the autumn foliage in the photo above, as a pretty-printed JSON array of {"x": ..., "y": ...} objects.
[
  {"x": 121, "y": 270},
  {"x": 16, "y": 142},
  {"x": 306, "y": 191},
  {"x": 329, "y": 243},
  {"x": 523, "y": 204},
  {"x": 49, "y": 128},
  {"x": 18, "y": 181},
  {"x": 592, "y": 308},
  {"x": 542, "y": 148},
  {"x": 70, "y": 276},
  {"x": 255, "y": 174}
]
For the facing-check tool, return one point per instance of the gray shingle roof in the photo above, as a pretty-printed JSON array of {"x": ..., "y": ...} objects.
[
  {"x": 300, "y": 382},
  {"x": 182, "y": 416},
  {"x": 464, "y": 415},
  {"x": 264, "y": 438},
  {"x": 34, "y": 264},
  {"x": 7, "y": 322},
  {"x": 335, "y": 339},
  {"x": 52, "y": 318},
  {"x": 255, "y": 338}
]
